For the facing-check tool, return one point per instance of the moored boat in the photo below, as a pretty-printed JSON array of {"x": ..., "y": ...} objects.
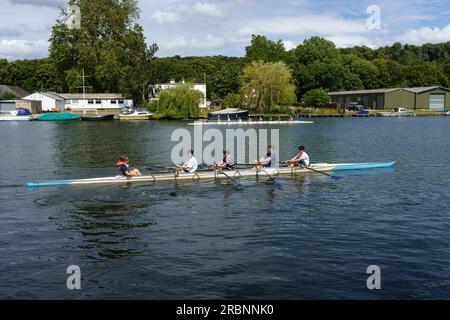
[
  {"x": 397, "y": 112},
  {"x": 108, "y": 117},
  {"x": 58, "y": 117},
  {"x": 18, "y": 115},
  {"x": 135, "y": 114},
  {"x": 210, "y": 175},
  {"x": 247, "y": 123}
]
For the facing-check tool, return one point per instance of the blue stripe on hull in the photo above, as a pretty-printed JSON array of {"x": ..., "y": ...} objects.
[
  {"x": 363, "y": 166},
  {"x": 49, "y": 184}
]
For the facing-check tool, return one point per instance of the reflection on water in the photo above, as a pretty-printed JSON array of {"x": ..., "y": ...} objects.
[{"x": 314, "y": 238}]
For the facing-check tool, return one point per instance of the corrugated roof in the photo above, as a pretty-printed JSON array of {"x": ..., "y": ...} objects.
[
  {"x": 375, "y": 91},
  {"x": 52, "y": 95},
  {"x": 337, "y": 93},
  {"x": 425, "y": 89},
  {"x": 80, "y": 96},
  {"x": 17, "y": 91}
]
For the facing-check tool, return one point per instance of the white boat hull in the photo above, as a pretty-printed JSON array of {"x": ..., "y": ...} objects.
[
  {"x": 210, "y": 175},
  {"x": 16, "y": 118},
  {"x": 247, "y": 123}
]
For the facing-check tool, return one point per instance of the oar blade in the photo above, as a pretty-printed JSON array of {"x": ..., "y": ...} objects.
[{"x": 336, "y": 178}]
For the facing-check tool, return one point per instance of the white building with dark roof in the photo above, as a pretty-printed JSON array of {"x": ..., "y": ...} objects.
[
  {"x": 200, "y": 87},
  {"x": 80, "y": 101}
]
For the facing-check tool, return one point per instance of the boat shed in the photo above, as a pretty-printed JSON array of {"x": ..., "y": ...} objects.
[
  {"x": 6, "y": 106},
  {"x": 431, "y": 98},
  {"x": 113, "y": 102},
  {"x": 49, "y": 100}
]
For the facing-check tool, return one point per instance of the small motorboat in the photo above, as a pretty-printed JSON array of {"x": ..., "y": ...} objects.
[
  {"x": 135, "y": 114},
  {"x": 108, "y": 117},
  {"x": 397, "y": 112},
  {"x": 18, "y": 115}
]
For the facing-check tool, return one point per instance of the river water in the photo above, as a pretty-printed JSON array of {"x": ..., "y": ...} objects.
[{"x": 314, "y": 238}]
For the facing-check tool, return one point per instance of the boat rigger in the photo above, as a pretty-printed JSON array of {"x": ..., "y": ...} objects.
[{"x": 214, "y": 175}]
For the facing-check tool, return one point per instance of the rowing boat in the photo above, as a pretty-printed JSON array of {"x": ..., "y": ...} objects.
[
  {"x": 210, "y": 175},
  {"x": 246, "y": 123}
]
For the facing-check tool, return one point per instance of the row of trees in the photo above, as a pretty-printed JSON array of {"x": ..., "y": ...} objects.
[{"x": 112, "y": 49}]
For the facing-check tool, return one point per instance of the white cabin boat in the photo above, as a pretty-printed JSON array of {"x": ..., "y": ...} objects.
[
  {"x": 135, "y": 114},
  {"x": 17, "y": 115},
  {"x": 397, "y": 112}
]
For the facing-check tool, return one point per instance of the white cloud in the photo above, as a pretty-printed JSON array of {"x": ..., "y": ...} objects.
[
  {"x": 23, "y": 49},
  {"x": 166, "y": 16},
  {"x": 42, "y": 3},
  {"x": 210, "y": 42},
  {"x": 174, "y": 14},
  {"x": 346, "y": 41},
  {"x": 206, "y": 9},
  {"x": 303, "y": 24},
  {"x": 425, "y": 35},
  {"x": 289, "y": 45}
]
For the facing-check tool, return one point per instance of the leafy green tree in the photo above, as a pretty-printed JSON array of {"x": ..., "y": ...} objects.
[
  {"x": 316, "y": 98},
  {"x": 8, "y": 96},
  {"x": 265, "y": 85},
  {"x": 316, "y": 49},
  {"x": 180, "y": 102},
  {"x": 232, "y": 100},
  {"x": 366, "y": 71},
  {"x": 110, "y": 46},
  {"x": 263, "y": 49}
]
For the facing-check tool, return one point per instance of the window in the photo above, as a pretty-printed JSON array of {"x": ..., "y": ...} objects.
[
  {"x": 121, "y": 101},
  {"x": 90, "y": 101},
  {"x": 98, "y": 101},
  {"x": 113, "y": 102},
  {"x": 74, "y": 101}
]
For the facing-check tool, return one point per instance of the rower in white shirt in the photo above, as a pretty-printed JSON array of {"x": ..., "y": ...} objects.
[
  {"x": 191, "y": 164},
  {"x": 301, "y": 159}
]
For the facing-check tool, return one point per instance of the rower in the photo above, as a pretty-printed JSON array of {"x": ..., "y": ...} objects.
[
  {"x": 227, "y": 162},
  {"x": 191, "y": 164},
  {"x": 269, "y": 161},
  {"x": 124, "y": 167},
  {"x": 301, "y": 159}
]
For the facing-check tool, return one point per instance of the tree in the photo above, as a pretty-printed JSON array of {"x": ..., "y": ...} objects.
[
  {"x": 316, "y": 98},
  {"x": 8, "y": 96},
  {"x": 180, "y": 102},
  {"x": 232, "y": 100},
  {"x": 110, "y": 46},
  {"x": 263, "y": 49},
  {"x": 316, "y": 49},
  {"x": 265, "y": 85}
]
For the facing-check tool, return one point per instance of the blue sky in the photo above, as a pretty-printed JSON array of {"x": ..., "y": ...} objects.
[{"x": 209, "y": 27}]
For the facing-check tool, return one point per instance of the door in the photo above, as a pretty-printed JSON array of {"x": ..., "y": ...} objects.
[
  {"x": 379, "y": 102},
  {"x": 437, "y": 102}
]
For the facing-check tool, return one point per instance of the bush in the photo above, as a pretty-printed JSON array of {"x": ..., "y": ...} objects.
[
  {"x": 232, "y": 100},
  {"x": 316, "y": 98}
]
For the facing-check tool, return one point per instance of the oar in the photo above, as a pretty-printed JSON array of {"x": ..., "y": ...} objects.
[
  {"x": 275, "y": 183},
  {"x": 237, "y": 184},
  {"x": 324, "y": 173}
]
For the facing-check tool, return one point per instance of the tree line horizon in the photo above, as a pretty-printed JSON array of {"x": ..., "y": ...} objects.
[{"x": 113, "y": 50}]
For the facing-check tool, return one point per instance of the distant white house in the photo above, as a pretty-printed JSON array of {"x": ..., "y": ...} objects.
[
  {"x": 201, "y": 87},
  {"x": 80, "y": 101},
  {"x": 49, "y": 100}
]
